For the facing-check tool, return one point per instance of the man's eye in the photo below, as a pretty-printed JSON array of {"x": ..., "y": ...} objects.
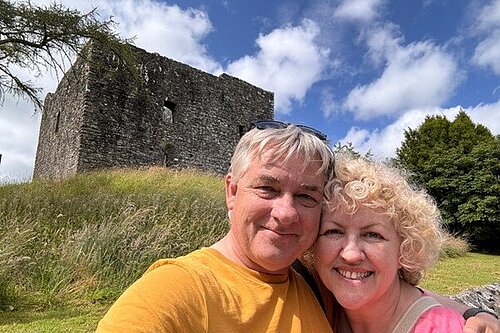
[
  {"x": 266, "y": 188},
  {"x": 266, "y": 191},
  {"x": 307, "y": 200}
]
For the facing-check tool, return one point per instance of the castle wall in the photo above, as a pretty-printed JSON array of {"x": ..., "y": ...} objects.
[
  {"x": 59, "y": 138},
  {"x": 177, "y": 117}
]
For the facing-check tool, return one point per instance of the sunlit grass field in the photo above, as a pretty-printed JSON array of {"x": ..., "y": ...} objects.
[
  {"x": 51, "y": 321},
  {"x": 453, "y": 275}
]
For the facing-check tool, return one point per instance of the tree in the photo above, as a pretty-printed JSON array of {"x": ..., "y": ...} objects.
[
  {"x": 38, "y": 39},
  {"x": 348, "y": 148},
  {"x": 459, "y": 164}
]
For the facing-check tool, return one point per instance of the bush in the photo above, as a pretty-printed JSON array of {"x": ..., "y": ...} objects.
[{"x": 454, "y": 246}]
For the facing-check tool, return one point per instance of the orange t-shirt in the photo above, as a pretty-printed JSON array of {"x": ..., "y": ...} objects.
[{"x": 206, "y": 292}]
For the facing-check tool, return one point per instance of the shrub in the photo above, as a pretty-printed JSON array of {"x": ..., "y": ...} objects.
[{"x": 454, "y": 246}]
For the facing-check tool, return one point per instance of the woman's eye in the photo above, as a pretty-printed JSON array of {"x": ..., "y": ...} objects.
[
  {"x": 331, "y": 232},
  {"x": 375, "y": 235}
]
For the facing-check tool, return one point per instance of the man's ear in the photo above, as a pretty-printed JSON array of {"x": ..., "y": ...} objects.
[{"x": 231, "y": 189}]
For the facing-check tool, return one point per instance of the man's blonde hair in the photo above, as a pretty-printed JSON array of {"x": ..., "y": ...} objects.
[{"x": 286, "y": 143}]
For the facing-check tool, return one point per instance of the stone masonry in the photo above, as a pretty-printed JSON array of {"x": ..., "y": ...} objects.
[{"x": 176, "y": 116}]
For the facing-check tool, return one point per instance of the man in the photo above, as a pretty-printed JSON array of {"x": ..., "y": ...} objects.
[{"x": 243, "y": 283}]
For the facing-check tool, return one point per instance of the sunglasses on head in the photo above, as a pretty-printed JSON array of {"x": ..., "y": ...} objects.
[{"x": 263, "y": 124}]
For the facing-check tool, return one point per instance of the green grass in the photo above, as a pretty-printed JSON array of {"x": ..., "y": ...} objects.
[
  {"x": 51, "y": 321},
  {"x": 453, "y": 275}
]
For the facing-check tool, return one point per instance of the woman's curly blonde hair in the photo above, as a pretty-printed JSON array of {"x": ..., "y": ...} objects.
[{"x": 414, "y": 214}]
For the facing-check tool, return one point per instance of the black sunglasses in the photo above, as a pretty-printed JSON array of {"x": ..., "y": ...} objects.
[{"x": 263, "y": 124}]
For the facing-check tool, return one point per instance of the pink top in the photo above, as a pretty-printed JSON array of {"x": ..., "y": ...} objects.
[{"x": 439, "y": 319}]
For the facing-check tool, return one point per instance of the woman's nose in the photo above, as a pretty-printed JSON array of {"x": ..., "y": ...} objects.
[{"x": 352, "y": 251}]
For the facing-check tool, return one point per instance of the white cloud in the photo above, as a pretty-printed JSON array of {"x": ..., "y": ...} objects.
[
  {"x": 329, "y": 104},
  {"x": 384, "y": 142},
  {"x": 383, "y": 43},
  {"x": 417, "y": 75},
  {"x": 167, "y": 29},
  {"x": 489, "y": 16},
  {"x": 288, "y": 63},
  {"x": 488, "y": 115},
  {"x": 19, "y": 127},
  {"x": 357, "y": 136},
  {"x": 358, "y": 10},
  {"x": 158, "y": 27},
  {"x": 487, "y": 52}
]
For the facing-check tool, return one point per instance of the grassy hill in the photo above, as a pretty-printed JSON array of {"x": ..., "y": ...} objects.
[{"x": 83, "y": 240}]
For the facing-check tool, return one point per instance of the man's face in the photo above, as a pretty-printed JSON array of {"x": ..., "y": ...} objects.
[{"x": 275, "y": 211}]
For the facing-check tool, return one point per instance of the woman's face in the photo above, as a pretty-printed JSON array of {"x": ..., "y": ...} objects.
[{"x": 357, "y": 256}]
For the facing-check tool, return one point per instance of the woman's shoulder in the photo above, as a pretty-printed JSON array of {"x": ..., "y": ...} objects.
[{"x": 439, "y": 319}]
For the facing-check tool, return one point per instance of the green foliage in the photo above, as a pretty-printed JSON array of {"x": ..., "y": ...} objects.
[
  {"x": 38, "y": 38},
  {"x": 348, "y": 148},
  {"x": 459, "y": 164},
  {"x": 87, "y": 238}
]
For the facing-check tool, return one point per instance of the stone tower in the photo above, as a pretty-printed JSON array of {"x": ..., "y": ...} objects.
[{"x": 176, "y": 116}]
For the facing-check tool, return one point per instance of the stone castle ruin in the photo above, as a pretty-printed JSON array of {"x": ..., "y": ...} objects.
[{"x": 101, "y": 117}]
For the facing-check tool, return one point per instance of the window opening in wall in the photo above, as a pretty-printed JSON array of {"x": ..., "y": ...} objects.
[
  {"x": 168, "y": 151},
  {"x": 168, "y": 110},
  {"x": 58, "y": 119}
]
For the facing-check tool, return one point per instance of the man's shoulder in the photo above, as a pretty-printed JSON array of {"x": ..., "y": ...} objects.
[
  {"x": 166, "y": 298},
  {"x": 197, "y": 260},
  {"x": 179, "y": 278}
]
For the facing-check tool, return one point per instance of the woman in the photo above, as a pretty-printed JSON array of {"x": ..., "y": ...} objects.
[{"x": 377, "y": 237}]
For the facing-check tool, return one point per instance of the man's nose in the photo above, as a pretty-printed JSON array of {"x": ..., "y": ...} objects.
[{"x": 284, "y": 209}]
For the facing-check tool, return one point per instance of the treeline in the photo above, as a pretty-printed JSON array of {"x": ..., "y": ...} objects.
[{"x": 458, "y": 162}]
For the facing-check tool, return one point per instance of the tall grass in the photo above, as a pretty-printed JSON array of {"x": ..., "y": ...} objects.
[
  {"x": 454, "y": 246},
  {"x": 86, "y": 238}
]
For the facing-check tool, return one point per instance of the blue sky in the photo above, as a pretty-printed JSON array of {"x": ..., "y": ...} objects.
[{"x": 361, "y": 71}]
